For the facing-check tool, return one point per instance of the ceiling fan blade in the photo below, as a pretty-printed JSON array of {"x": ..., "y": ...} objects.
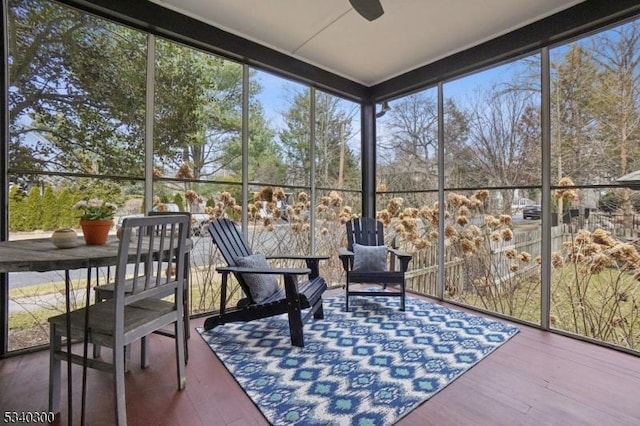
[{"x": 369, "y": 9}]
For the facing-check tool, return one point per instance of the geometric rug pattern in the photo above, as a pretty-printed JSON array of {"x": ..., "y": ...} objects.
[{"x": 369, "y": 366}]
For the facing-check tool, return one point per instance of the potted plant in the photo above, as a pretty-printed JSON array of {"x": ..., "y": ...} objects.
[{"x": 96, "y": 220}]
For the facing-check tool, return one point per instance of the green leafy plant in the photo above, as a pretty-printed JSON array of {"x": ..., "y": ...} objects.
[{"x": 95, "y": 209}]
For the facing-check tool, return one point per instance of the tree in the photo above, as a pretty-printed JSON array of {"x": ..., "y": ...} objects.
[
  {"x": 618, "y": 55},
  {"x": 501, "y": 149},
  {"x": 78, "y": 91},
  {"x": 34, "y": 211},
  {"x": 456, "y": 132},
  {"x": 265, "y": 159},
  {"x": 575, "y": 151},
  {"x": 412, "y": 142},
  {"x": 617, "y": 97},
  {"x": 62, "y": 106},
  {"x": 333, "y": 130}
]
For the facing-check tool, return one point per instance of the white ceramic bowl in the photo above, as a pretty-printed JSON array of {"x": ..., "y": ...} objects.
[{"x": 64, "y": 238}]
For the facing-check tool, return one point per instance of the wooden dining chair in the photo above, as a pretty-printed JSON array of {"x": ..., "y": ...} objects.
[
  {"x": 153, "y": 302},
  {"x": 106, "y": 291},
  {"x": 367, "y": 260}
]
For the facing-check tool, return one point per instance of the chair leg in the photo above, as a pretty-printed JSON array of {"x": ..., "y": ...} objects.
[
  {"x": 55, "y": 345},
  {"x": 295, "y": 326},
  {"x": 319, "y": 313},
  {"x": 127, "y": 357},
  {"x": 180, "y": 343},
  {"x": 97, "y": 298},
  {"x": 118, "y": 380},
  {"x": 346, "y": 297},
  {"x": 187, "y": 331},
  {"x": 402, "y": 297},
  {"x": 144, "y": 352}
]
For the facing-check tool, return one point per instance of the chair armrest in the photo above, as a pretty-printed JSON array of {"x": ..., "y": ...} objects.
[
  {"x": 346, "y": 257},
  {"x": 399, "y": 253},
  {"x": 404, "y": 258},
  {"x": 313, "y": 262},
  {"x": 296, "y": 257},
  {"x": 343, "y": 252},
  {"x": 290, "y": 284},
  {"x": 269, "y": 271}
]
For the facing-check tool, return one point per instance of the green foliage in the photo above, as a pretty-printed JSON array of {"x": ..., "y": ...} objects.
[
  {"x": 84, "y": 109},
  {"x": 333, "y": 130},
  {"x": 90, "y": 117},
  {"x": 67, "y": 217},
  {"x": 34, "y": 210},
  {"x": 54, "y": 208},
  {"x": 50, "y": 209},
  {"x": 17, "y": 209},
  {"x": 179, "y": 201}
]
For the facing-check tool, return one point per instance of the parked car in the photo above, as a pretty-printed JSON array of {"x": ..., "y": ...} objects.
[
  {"x": 531, "y": 211},
  {"x": 281, "y": 205}
]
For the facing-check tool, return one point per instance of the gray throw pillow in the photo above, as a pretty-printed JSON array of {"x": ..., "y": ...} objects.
[
  {"x": 261, "y": 285},
  {"x": 369, "y": 258}
]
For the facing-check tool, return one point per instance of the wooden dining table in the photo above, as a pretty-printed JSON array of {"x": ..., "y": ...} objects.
[{"x": 40, "y": 255}]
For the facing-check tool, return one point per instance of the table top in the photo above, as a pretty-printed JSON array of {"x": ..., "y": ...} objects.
[{"x": 41, "y": 255}]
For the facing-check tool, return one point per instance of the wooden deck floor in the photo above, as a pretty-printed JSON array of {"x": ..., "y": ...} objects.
[{"x": 536, "y": 378}]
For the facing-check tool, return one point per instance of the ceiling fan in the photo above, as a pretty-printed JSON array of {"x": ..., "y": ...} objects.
[{"x": 369, "y": 9}]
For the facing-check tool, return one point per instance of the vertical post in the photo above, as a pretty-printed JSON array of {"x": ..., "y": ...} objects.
[
  {"x": 245, "y": 147},
  {"x": 545, "y": 290},
  {"x": 368, "y": 149},
  {"x": 312, "y": 166},
  {"x": 149, "y": 115},
  {"x": 341, "y": 163},
  {"x": 441, "y": 197},
  {"x": 4, "y": 179}
]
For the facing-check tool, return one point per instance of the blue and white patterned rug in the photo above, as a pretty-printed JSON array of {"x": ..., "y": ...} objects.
[{"x": 369, "y": 366}]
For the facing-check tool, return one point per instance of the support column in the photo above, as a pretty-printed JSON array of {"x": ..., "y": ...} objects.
[
  {"x": 545, "y": 289},
  {"x": 368, "y": 154},
  {"x": 4, "y": 178}
]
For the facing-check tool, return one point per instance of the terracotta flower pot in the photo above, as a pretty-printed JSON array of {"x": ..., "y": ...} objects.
[{"x": 96, "y": 232}]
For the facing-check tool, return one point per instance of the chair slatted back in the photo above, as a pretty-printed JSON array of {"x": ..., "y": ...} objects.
[
  {"x": 232, "y": 245},
  {"x": 145, "y": 245},
  {"x": 229, "y": 240},
  {"x": 163, "y": 213},
  {"x": 366, "y": 231}
]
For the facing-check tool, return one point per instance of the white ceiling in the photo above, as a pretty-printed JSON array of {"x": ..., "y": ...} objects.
[{"x": 331, "y": 35}]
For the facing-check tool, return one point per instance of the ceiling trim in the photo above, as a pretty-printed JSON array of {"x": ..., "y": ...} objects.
[
  {"x": 577, "y": 20},
  {"x": 167, "y": 23}
]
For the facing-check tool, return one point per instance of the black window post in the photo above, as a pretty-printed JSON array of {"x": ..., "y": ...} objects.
[{"x": 368, "y": 149}]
